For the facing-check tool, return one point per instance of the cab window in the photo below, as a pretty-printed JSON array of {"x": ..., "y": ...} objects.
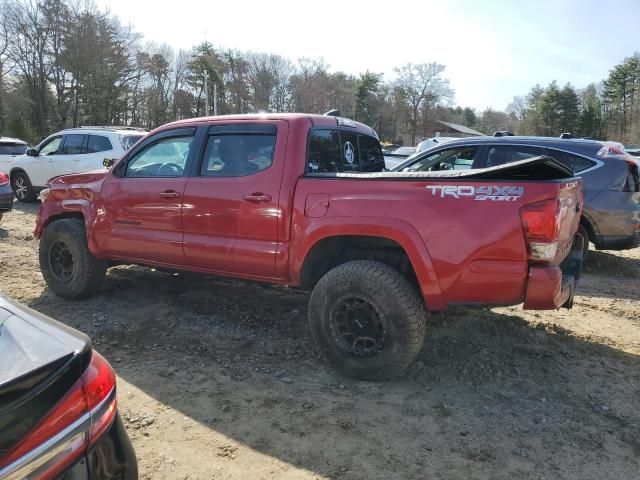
[
  {"x": 238, "y": 155},
  {"x": 461, "y": 158},
  {"x": 165, "y": 158}
]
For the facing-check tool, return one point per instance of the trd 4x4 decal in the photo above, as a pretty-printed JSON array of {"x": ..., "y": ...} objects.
[{"x": 494, "y": 193}]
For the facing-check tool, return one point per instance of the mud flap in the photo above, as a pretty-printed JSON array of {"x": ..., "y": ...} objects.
[{"x": 572, "y": 268}]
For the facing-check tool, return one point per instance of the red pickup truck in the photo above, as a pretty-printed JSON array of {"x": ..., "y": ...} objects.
[{"x": 287, "y": 199}]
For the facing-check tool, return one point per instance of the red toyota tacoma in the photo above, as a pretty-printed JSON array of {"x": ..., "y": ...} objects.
[{"x": 290, "y": 199}]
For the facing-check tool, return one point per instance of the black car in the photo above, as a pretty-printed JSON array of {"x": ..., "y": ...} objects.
[
  {"x": 611, "y": 214},
  {"x": 6, "y": 195},
  {"x": 58, "y": 405}
]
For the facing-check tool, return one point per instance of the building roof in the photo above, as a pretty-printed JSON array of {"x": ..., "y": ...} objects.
[{"x": 460, "y": 128}]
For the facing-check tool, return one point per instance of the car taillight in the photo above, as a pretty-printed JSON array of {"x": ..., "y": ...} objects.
[
  {"x": 541, "y": 224},
  {"x": 74, "y": 424},
  {"x": 4, "y": 179}
]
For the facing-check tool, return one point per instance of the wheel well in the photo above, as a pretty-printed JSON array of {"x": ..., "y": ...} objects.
[
  {"x": 62, "y": 216},
  {"x": 13, "y": 172},
  {"x": 586, "y": 224},
  {"x": 330, "y": 252}
]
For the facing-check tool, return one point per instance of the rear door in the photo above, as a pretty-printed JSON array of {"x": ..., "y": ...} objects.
[
  {"x": 142, "y": 201},
  {"x": 99, "y": 147},
  {"x": 74, "y": 146},
  {"x": 232, "y": 219}
]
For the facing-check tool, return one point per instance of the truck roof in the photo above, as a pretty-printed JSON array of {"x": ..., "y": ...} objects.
[{"x": 314, "y": 120}]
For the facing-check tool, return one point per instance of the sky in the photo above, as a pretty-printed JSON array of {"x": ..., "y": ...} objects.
[{"x": 492, "y": 50}]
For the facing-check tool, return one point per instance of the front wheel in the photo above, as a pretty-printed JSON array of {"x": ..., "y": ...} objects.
[
  {"x": 22, "y": 188},
  {"x": 69, "y": 268},
  {"x": 367, "y": 319}
]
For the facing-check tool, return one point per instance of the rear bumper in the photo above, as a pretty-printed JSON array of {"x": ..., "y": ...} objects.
[
  {"x": 112, "y": 457},
  {"x": 551, "y": 287}
]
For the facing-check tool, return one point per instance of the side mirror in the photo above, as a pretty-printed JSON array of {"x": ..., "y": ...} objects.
[
  {"x": 108, "y": 162},
  {"x": 32, "y": 152}
]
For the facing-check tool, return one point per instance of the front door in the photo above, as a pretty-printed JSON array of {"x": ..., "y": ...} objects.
[
  {"x": 138, "y": 216},
  {"x": 40, "y": 168},
  {"x": 231, "y": 224}
]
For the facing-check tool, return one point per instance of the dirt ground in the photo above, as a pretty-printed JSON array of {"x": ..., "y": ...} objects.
[{"x": 217, "y": 379}]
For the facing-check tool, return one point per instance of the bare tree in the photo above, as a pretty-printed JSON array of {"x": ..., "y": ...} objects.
[{"x": 421, "y": 83}]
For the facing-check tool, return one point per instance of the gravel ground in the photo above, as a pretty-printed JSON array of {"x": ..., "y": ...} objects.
[{"x": 217, "y": 379}]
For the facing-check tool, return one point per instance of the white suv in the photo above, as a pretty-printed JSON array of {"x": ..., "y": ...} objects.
[{"x": 74, "y": 150}]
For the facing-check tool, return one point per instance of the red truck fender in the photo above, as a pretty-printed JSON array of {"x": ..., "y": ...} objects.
[
  {"x": 398, "y": 231},
  {"x": 68, "y": 208}
]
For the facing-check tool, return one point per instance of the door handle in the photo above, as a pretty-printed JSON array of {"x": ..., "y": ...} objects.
[
  {"x": 257, "y": 197},
  {"x": 170, "y": 194}
]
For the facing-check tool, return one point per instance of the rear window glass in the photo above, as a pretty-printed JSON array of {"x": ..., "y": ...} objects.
[
  {"x": 460, "y": 158},
  {"x": 98, "y": 143},
  {"x": 574, "y": 162},
  {"x": 12, "y": 149},
  {"x": 501, "y": 154},
  {"x": 333, "y": 151},
  {"x": 324, "y": 151},
  {"x": 371, "y": 157}
]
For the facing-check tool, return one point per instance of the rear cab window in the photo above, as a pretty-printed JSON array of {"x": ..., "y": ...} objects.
[{"x": 335, "y": 151}]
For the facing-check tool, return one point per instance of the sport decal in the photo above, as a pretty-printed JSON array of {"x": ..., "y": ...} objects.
[{"x": 494, "y": 193}]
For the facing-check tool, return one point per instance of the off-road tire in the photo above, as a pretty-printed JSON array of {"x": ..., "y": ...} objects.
[
  {"x": 86, "y": 273},
  {"x": 22, "y": 188},
  {"x": 400, "y": 310}
]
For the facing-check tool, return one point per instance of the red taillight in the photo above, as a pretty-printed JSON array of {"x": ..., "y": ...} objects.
[
  {"x": 69, "y": 428},
  {"x": 4, "y": 179},
  {"x": 541, "y": 224}
]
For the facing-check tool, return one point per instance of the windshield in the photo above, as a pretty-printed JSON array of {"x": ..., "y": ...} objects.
[{"x": 129, "y": 141}]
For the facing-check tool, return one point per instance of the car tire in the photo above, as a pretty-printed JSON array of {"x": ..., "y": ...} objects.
[
  {"x": 22, "y": 188},
  {"x": 68, "y": 267},
  {"x": 585, "y": 234},
  {"x": 367, "y": 319}
]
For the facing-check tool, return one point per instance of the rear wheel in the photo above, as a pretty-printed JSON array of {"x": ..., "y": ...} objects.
[
  {"x": 22, "y": 188},
  {"x": 67, "y": 265},
  {"x": 367, "y": 319}
]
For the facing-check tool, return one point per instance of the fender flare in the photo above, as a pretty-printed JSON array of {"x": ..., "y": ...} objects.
[
  {"x": 398, "y": 231},
  {"x": 51, "y": 211}
]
